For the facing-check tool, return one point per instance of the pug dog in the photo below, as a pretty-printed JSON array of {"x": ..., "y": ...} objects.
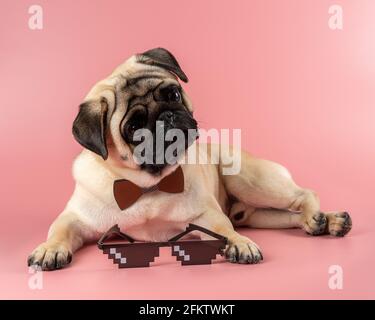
[{"x": 140, "y": 93}]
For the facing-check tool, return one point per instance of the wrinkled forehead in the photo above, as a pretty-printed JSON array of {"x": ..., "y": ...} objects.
[
  {"x": 145, "y": 86},
  {"x": 138, "y": 77},
  {"x": 133, "y": 79}
]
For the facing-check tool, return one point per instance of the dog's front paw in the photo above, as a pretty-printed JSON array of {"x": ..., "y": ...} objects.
[
  {"x": 243, "y": 251},
  {"x": 315, "y": 225},
  {"x": 50, "y": 256},
  {"x": 339, "y": 223}
]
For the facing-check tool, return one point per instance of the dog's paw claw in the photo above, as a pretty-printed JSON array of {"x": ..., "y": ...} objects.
[
  {"x": 315, "y": 225},
  {"x": 244, "y": 251},
  {"x": 50, "y": 257},
  {"x": 339, "y": 223}
]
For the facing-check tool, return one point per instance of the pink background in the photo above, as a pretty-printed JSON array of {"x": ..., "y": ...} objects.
[{"x": 302, "y": 94}]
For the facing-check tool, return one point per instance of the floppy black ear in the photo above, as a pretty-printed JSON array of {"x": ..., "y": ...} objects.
[
  {"x": 89, "y": 127},
  {"x": 163, "y": 58}
]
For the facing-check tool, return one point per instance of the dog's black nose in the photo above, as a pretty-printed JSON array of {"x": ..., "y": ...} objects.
[{"x": 167, "y": 116}]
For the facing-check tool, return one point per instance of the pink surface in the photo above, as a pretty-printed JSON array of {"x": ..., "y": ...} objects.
[{"x": 302, "y": 94}]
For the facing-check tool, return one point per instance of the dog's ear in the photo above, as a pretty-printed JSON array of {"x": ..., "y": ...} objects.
[
  {"x": 89, "y": 127},
  {"x": 162, "y": 58}
]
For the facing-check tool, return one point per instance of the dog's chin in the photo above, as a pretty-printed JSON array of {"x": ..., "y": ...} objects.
[
  {"x": 153, "y": 169},
  {"x": 163, "y": 169},
  {"x": 159, "y": 169}
]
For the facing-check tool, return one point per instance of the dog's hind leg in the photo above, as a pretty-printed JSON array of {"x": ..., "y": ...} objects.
[
  {"x": 263, "y": 218},
  {"x": 339, "y": 223},
  {"x": 265, "y": 184}
]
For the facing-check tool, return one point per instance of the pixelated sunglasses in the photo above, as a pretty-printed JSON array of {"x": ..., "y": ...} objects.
[{"x": 141, "y": 254}]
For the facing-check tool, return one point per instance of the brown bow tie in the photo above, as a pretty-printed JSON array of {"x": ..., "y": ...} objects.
[{"x": 127, "y": 193}]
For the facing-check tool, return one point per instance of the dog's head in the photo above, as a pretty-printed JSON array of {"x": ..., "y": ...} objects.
[{"x": 138, "y": 116}]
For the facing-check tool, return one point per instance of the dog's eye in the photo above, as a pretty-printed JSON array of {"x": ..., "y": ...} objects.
[
  {"x": 135, "y": 125},
  {"x": 138, "y": 121},
  {"x": 174, "y": 95}
]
